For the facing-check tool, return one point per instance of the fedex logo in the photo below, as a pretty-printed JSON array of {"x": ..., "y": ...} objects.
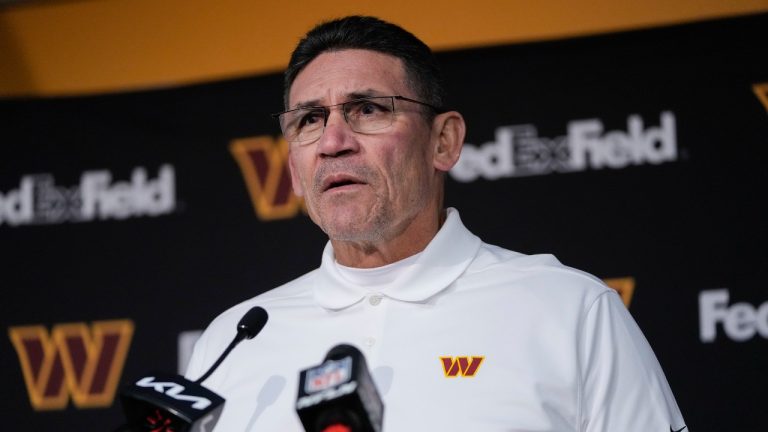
[
  {"x": 463, "y": 366},
  {"x": 39, "y": 200},
  {"x": 518, "y": 150},
  {"x": 740, "y": 321}
]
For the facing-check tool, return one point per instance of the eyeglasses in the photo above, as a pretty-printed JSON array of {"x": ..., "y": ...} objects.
[{"x": 305, "y": 125}]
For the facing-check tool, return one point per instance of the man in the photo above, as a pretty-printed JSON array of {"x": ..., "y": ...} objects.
[{"x": 548, "y": 348}]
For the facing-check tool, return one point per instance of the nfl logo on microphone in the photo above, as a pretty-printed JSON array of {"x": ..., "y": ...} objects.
[{"x": 328, "y": 375}]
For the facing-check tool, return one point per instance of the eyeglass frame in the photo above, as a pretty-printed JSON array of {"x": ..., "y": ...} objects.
[{"x": 327, "y": 111}]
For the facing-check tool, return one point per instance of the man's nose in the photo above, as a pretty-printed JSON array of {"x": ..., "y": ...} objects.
[{"x": 338, "y": 138}]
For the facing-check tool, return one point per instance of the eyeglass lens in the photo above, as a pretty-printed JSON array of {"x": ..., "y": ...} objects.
[{"x": 305, "y": 125}]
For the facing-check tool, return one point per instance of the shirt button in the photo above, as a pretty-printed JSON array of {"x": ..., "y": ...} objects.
[
  {"x": 375, "y": 299},
  {"x": 370, "y": 341}
]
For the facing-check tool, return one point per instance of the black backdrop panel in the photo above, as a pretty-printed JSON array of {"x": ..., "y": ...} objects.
[{"x": 639, "y": 155}]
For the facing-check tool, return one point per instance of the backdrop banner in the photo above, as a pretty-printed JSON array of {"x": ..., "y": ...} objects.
[{"x": 129, "y": 221}]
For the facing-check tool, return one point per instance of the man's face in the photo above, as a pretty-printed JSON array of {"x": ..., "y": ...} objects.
[{"x": 358, "y": 187}]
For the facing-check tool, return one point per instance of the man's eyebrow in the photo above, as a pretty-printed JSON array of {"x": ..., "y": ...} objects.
[
  {"x": 363, "y": 94},
  {"x": 306, "y": 104},
  {"x": 359, "y": 94}
]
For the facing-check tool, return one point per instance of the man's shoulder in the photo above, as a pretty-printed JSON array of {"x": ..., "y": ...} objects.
[
  {"x": 539, "y": 270},
  {"x": 293, "y": 293}
]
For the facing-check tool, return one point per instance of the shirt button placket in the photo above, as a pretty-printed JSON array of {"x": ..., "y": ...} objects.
[{"x": 371, "y": 338}]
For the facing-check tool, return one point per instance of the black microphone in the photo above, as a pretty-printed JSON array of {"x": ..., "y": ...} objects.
[
  {"x": 339, "y": 395},
  {"x": 165, "y": 402},
  {"x": 249, "y": 326}
]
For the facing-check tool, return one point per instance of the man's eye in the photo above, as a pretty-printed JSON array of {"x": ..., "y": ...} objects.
[
  {"x": 310, "y": 118},
  {"x": 367, "y": 108},
  {"x": 370, "y": 108}
]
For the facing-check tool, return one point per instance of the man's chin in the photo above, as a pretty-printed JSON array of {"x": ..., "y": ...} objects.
[
  {"x": 348, "y": 219},
  {"x": 351, "y": 228},
  {"x": 348, "y": 231}
]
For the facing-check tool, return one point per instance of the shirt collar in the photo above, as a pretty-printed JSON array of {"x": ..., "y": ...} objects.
[{"x": 444, "y": 259}]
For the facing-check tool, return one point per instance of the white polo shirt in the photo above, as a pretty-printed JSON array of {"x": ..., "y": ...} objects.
[{"x": 465, "y": 337}]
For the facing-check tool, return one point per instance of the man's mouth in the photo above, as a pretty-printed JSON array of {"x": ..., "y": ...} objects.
[{"x": 340, "y": 181}]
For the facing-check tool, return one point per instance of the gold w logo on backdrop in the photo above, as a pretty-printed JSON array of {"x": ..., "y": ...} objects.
[
  {"x": 264, "y": 164},
  {"x": 761, "y": 91},
  {"x": 625, "y": 286},
  {"x": 84, "y": 362}
]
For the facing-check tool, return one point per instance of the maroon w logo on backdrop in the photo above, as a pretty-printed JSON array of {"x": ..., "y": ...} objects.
[
  {"x": 84, "y": 362},
  {"x": 263, "y": 162}
]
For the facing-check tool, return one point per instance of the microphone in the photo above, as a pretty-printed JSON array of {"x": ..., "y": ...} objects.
[
  {"x": 249, "y": 326},
  {"x": 170, "y": 402},
  {"x": 339, "y": 395}
]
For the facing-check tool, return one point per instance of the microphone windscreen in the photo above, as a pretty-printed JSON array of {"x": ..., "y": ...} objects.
[
  {"x": 252, "y": 322},
  {"x": 343, "y": 350}
]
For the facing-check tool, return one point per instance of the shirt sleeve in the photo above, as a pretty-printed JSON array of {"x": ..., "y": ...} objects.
[{"x": 623, "y": 385}]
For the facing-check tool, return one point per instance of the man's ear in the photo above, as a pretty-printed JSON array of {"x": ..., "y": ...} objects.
[
  {"x": 295, "y": 181},
  {"x": 448, "y": 130}
]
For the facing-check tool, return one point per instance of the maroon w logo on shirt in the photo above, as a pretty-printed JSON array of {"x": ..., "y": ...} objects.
[{"x": 461, "y": 366}]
